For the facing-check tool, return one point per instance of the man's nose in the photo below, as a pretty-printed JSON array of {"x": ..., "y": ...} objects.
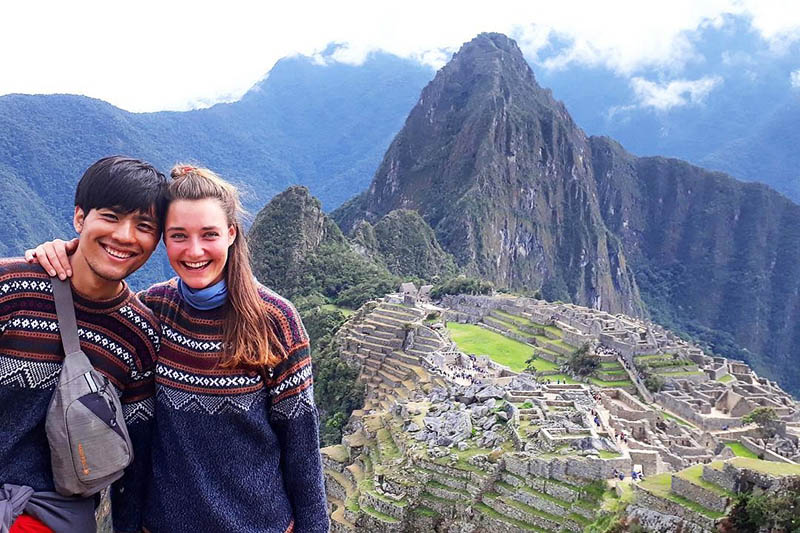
[{"x": 125, "y": 231}]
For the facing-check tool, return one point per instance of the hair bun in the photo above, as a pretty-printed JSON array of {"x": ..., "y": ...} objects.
[{"x": 181, "y": 170}]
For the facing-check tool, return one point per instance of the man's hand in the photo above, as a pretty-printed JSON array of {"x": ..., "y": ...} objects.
[{"x": 54, "y": 257}]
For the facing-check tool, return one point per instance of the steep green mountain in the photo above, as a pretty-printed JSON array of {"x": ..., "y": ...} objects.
[
  {"x": 520, "y": 196},
  {"x": 299, "y": 251},
  {"x": 406, "y": 245},
  {"x": 504, "y": 177},
  {"x": 322, "y": 126}
]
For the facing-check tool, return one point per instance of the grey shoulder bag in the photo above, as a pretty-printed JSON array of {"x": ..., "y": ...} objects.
[{"x": 89, "y": 442}]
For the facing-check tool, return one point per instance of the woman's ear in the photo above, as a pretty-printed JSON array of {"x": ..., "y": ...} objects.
[
  {"x": 78, "y": 218},
  {"x": 232, "y": 234}
]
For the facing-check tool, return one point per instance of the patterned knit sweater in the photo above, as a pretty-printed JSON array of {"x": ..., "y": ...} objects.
[
  {"x": 120, "y": 337},
  {"x": 231, "y": 452}
]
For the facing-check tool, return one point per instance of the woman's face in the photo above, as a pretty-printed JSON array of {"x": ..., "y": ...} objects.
[{"x": 197, "y": 237}]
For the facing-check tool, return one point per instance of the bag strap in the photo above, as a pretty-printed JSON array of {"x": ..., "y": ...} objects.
[{"x": 65, "y": 309}]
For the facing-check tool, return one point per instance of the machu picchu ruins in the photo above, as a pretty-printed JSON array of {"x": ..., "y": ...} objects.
[{"x": 474, "y": 422}]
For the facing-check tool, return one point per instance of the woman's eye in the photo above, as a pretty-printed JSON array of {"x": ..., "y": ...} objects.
[
  {"x": 177, "y": 236},
  {"x": 211, "y": 235}
]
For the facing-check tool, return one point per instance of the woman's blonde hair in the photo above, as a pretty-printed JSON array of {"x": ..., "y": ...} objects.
[{"x": 248, "y": 328}]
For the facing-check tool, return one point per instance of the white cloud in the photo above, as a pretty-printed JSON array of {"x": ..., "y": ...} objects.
[
  {"x": 794, "y": 79},
  {"x": 676, "y": 93},
  {"x": 177, "y": 54}
]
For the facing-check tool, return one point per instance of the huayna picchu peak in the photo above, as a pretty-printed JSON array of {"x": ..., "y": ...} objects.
[
  {"x": 503, "y": 175},
  {"x": 520, "y": 196}
]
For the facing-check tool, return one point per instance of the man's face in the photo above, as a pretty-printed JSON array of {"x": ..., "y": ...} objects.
[{"x": 115, "y": 244}]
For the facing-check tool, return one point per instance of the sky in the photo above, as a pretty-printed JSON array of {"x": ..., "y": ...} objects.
[{"x": 178, "y": 55}]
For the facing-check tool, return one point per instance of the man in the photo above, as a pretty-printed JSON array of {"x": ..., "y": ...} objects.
[{"x": 119, "y": 208}]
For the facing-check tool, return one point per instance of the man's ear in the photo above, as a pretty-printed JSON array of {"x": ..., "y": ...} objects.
[
  {"x": 232, "y": 234},
  {"x": 78, "y": 218}
]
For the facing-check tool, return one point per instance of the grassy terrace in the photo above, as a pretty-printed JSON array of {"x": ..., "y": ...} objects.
[
  {"x": 739, "y": 450},
  {"x": 694, "y": 475},
  {"x": 557, "y": 377},
  {"x": 772, "y": 468},
  {"x": 680, "y": 421},
  {"x": 660, "y": 485},
  {"x": 488, "y": 511},
  {"x": 477, "y": 340},
  {"x": 727, "y": 378}
]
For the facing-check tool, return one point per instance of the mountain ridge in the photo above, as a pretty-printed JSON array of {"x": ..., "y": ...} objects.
[{"x": 709, "y": 254}]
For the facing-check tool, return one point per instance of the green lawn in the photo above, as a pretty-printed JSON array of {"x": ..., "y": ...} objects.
[
  {"x": 477, "y": 340},
  {"x": 661, "y": 485},
  {"x": 727, "y": 378},
  {"x": 694, "y": 474},
  {"x": 772, "y": 468},
  {"x": 739, "y": 450}
]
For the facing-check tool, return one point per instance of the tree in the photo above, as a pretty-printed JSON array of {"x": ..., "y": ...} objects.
[
  {"x": 582, "y": 363},
  {"x": 654, "y": 382},
  {"x": 765, "y": 418}
]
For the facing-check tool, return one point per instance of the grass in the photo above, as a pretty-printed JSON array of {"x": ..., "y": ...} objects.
[
  {"x": 388, "y": 449},
  {"x": 336, "y": 452},
  {"x": 605, "y": 454},
  {"x": 661, "y": 484},
  {"x": 601, "y": 383},
  {"x": 556, "y": 377},
  {"x": 425, "y": 511},
  {"x": 680, "y": 421},
  {"x": 333, "y": 307},
  {"x": 727, "y": 378},
  {"x": 694, "y": 475},
  {"x": 740, "y": 450},
  {"x": 383, "y": 517},
  {"x": 772, "y": 468},
  {"x": 477, "y": 340},
  {"x": 485, "y": 509}
]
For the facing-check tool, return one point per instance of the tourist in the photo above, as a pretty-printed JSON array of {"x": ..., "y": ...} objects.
[
  {"x": 236, "y": 443},
  {"x": 119, "y": 203}
]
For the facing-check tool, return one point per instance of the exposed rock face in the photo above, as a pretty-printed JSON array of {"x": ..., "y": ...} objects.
[{"x": 503, "y": 175}]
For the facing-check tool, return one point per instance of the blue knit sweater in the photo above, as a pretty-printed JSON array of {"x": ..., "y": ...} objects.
[
  {"x": 231, "y": 452},
  {"x": 120, "y": 338}
]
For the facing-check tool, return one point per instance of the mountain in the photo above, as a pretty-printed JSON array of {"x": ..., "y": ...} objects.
[
  {"x": 501, "y": 173},
  {"x": 405, "y": 244},
  {"x": 521, "y": 196},
  {"x": 322, "y": 125}
]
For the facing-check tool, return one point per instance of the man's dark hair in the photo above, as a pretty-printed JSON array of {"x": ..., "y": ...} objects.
[{"x": 125, "y": 185}]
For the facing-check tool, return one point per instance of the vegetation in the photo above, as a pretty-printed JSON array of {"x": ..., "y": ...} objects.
[
  {"x": 765, "y": 418},
  {"x": 480, "y": 341},
  {"x": 582, "y": 363},
  {"x": 740, "y": 450},
  {"x": 462, "y": 285},
  {"x": 770, "y": 511},
  {"x": 654, "y": 382}
]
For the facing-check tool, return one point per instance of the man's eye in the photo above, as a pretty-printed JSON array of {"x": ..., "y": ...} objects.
[
  {"x": 146, "y": 227},
  {"x": 109, "y": 216}
]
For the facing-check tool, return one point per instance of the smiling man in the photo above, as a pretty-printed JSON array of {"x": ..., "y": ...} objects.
[{"x": 119, "y": 206}]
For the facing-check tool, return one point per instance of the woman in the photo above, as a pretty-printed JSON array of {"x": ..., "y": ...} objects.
[{"x": 236, "y": 441}]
